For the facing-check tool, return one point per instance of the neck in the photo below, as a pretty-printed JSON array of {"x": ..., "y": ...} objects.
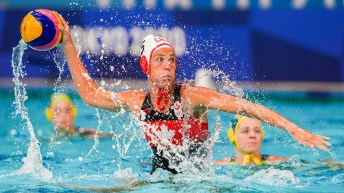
[
  {"x": 153, "y": 86},
  {"x": 161, "y": 95},
  {"x": 71, "y": 128}
]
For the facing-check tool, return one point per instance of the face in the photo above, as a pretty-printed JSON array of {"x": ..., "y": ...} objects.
[
  {"x": 62, "y": 115},
  {"x": 249, "y": 135},
  {"x": 163, "y": 67}
]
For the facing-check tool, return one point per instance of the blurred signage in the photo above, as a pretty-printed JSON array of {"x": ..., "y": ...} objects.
[
  {"x": 274, "y": 40},
  {"x": 178, "y": 4}
]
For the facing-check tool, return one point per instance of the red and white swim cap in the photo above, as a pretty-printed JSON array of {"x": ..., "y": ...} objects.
[{"x": 150, "y": 44}]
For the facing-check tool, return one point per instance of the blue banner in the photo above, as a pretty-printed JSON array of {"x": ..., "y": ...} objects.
[
  {"x": 176, "y": 4},
  {"x": 260, "y": 44}
]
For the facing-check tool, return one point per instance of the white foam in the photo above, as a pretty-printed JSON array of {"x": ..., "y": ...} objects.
[
  {"x": 33, "y": 161},
  {"x": 273, "y": 177},
  {"x": 203, "y": 78}
]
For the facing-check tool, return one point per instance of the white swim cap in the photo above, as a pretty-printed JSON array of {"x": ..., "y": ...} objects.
[{"x": 150, "y": 44}]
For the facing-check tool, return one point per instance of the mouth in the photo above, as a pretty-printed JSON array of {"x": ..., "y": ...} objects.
[
  {"x": 251, "y": 143},
  {"x": 166, "y": 77}
]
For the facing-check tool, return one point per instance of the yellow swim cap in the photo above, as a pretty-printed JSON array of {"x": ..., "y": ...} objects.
[
  {"x": 56, "y": 98},
  {"x": 232, "y": 131}
]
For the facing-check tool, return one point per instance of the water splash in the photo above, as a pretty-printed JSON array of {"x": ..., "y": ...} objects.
[
  {"x": 203, "y": 78},
  {"x": 273, "y": 177},
  {"x": 33, "y": 160},
  {"x": 59, "y": 60},
  {"x": 121, "y": 119},
  {"x": 96, "y": 139}
]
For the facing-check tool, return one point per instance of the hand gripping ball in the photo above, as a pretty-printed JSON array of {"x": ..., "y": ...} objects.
[{"x": 39, "y": 29}]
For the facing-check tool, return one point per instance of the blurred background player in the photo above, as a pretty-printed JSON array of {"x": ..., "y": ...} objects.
[
  {"x": 247, "y": 135},
  {"x": 62, "y": 113}
]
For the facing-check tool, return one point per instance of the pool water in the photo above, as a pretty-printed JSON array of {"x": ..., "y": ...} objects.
[{"x": 84, "y": 165}]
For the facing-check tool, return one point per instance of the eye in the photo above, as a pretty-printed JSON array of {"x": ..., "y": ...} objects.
[
  {"x": 257, "y": 130},
  {"x": 171, "y": 60},
  {"x": 57, "y": 111},
  {"x": 159, "y": 59}
]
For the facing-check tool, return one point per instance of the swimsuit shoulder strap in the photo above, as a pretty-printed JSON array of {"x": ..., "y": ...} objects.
[
  {"x": 231, "y": 161},
  {"x": 265, "y": 157},
  {"x": 147, "y": 103},
  {"x": 176, "y": 93}
]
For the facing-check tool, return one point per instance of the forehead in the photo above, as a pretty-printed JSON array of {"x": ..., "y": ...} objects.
[
  {"x": 62, "y": 104},
  {"x": 249, "y": 122},
  {"x": 166, "y": 51}
]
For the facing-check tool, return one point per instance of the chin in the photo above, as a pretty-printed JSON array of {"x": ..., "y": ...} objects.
[
  {"x": 166, "y": 83},
  {"x": 251, "y": 150}
]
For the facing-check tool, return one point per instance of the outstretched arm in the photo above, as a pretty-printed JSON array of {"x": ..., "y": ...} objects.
[
  {"x": 214, "y": 100},
  {"x": 85, "y": 85}
]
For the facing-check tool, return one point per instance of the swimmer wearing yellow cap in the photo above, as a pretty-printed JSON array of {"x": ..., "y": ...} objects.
[
  {"x": 62, "y": 113},
  {"x": 247, "y": 135}
]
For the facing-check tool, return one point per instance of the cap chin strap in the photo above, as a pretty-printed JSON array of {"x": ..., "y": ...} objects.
[
  {"x": 250, "y": 157},
  {"x": 162, "y": 97}
]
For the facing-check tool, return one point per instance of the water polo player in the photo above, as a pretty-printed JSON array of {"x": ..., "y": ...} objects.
[
  {"x": 247, "y": 135},
  {"x": 172, "y": 114},
  {"x": 62, "y": 113}
]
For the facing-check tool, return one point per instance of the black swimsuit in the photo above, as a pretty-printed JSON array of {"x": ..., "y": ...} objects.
[{"x": 173, "y": 119}]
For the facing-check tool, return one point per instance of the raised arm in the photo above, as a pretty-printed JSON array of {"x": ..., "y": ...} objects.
[
  {"x": 223, "y": 102},
  {"x": 88, "y": 90}
]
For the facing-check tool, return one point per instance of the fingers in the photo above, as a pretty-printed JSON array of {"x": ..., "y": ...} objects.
[
  {"x": 313, "y": 140},
  {"x": 327, "y": 143},
  {"x": 65, "y": 26},
  {"x": 306, "y": 143},
  {"x": 320, "y": 146},
  {"x": 324, "y": 148},
  {"x": 323, "y": 137},
  {"x": 322, "y": 140}
]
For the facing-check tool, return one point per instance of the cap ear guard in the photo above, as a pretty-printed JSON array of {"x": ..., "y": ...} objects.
[
  {"x": 262, "y": 131},
  {"x": 49, "y": 113},
  {"x": 144, "y": 65},
  {"x": 231, "y": 136}
]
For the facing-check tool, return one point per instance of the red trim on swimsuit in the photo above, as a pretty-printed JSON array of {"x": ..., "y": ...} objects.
[
  {"x": 171, "y": 132},
  {"x": 172, "y": 126}
]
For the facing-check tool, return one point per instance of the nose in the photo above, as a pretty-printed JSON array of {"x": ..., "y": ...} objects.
[
  {"x": 167, "y": 65},
  {"x": 252, "y": 134}
]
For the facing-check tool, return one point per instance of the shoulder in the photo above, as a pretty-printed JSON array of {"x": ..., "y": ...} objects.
[
  {"x": 185, "y": 87},
  {"x": 197, "y": 95},
  {"x": 134, "y": 99},
  {"x": 83, "y": 130},
  {"x": 134, "y": 93},
  {"x": 225, "y": 161},
  {"x": 274, "y": 159},
  {"x": 194, "y": 91}
]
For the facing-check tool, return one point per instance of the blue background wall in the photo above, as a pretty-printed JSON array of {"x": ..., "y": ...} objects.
[{"x": 275, "y": 42}]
